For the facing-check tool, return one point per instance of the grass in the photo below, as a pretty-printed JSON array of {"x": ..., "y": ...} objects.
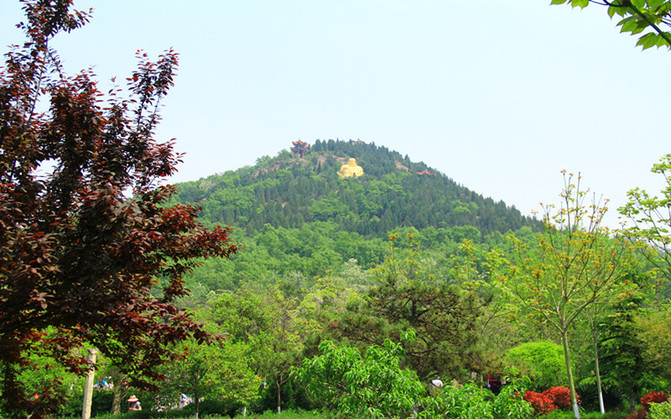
[
  {"x": 298, "y": 414},
  {"x": 289, "y": 414},
  {"x": 564, "y": 414},
  {"x": 286, "y": 414}
]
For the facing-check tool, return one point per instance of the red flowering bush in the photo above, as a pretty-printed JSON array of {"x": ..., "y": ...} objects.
[
  {"x": 561, "y": 397},
  {"x": 653, "y": 397},
  {"x": 541, "y": 403}
]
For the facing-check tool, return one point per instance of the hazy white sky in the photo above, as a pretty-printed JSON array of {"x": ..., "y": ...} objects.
[{"x": 499, "y": 96}]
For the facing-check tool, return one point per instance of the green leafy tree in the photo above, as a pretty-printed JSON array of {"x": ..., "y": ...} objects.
[
  {"x": 326, "y": 301},
  {"x": 47, "y": 373},
  {"x": 650, "y": 18},
  {"x": 266, "y": 321},
  {"x": 597, "y": 313},
  {"x": 575, "y": 264},
  {"x": 86, "y": 228},
  {"x": 372, "y": 385},
  {"x": 219, "y": 369},
  {"x": 284, "y": 344},
  {"x": 654, "y": 329},
  {"x": 542, "y": 360},
  {"x": 472, "y": 267},
  {"x": 651, "y": 218},
  {"x": 406, "y": 298},
  {"x": 623, "y": 353}
]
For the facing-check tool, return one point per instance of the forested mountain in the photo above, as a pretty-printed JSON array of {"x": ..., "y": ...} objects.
[{"x": 289, "y": 190}]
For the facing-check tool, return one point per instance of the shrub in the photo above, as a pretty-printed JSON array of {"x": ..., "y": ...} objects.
[
  {"x": 639, "y": 413},
  {"x": 510, "y": 403},
  {"x": 543, "y": 361},
  {"x": 208, "y": 407},
  {"x": 563, "y": 414},
  {"x": 541, "y": 403},
  {"x": 561, "y": 397},
  {"x": 470, "y": 401},
  {"x": 653, "y": 397},
  {"x": 286, "y": 414},
  {"x": 660, "y": 410},
  {"x": 353, "y": 385},
  {"x": 101, "y": 403}
]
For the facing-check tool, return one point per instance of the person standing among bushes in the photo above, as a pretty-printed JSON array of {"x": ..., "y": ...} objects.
[{"x": 134, "y": 404}]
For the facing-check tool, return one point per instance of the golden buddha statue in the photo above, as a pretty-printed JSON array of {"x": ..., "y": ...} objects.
[{"x": 350, "y": 169}]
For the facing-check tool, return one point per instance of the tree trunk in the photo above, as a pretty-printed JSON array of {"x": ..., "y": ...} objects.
[
  {"x": 117, "y": 391},
  {"x": 597, "y": 370},
  {"x": 598, "y": 375},
  {"x": 569, "y": 373},
  {"x": 196, "y": 401},
  {"x": 279, "y": 395},
  {"x": 633, "y": 399},
  {"x": 88, "y": 386},
  {"x": 116, "y": 400}
]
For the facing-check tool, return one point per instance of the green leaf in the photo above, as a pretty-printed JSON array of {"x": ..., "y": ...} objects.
[
  {"x": 612, "y": 10},
  {"x": 616, "y": 9},
  {"x": 648, "y": 40},
  {"x": 626, "y": 21},
  {"x": 655, "y": 3},
  {"x": 639, "y": 4},
  {"x": 558, "y": 2},
  {"x": 580, "y": 3},
  {"x": 633, "y": 24}
]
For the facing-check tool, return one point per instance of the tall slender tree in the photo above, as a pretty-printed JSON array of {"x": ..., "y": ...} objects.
[{"x": 573, "y": 266}]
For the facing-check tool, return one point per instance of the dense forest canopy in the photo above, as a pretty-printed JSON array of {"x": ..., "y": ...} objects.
[
  {"x": 288, "y": 191},
  {"x": 293, "y": 213}
]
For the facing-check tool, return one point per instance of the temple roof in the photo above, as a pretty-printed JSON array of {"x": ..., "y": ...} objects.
[{"x": 300, "y": 148}]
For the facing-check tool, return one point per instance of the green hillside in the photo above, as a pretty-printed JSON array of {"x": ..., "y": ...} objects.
[
  {"x": 288, "y": 191},
  {"x": 297, "y": 220}
]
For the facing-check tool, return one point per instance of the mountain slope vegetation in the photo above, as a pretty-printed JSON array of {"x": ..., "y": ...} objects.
[
  {"x": 288, "y": 191},
  {"x": 297, "y": 220}
]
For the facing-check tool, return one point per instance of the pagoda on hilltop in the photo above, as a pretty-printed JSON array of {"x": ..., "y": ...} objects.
[{"x": 300, "y": 148}]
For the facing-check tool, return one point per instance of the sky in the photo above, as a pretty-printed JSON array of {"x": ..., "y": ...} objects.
[{"x": 500, "y": 96}]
